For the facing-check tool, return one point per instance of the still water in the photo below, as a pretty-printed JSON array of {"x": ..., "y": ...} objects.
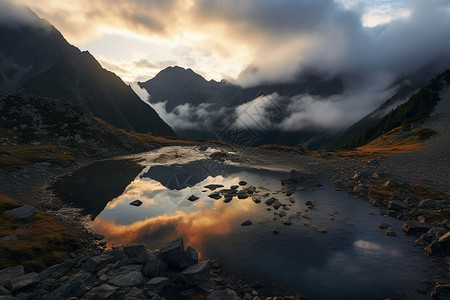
[{"x": 354, "y": 259}]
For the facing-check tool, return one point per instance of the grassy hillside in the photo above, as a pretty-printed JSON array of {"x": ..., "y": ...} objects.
[{"x": 418, "y": 107}]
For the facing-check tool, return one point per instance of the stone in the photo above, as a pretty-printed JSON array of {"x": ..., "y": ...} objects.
[
  {"x": 256, "y": 199},
  {"x": 119, "y": 254},
  {"x": 434, "y": 248},
  {"x": 212, "y": 187},
  {"x": 8, "y": 238},
  {"x": 25, "y": 213},
  {"x": 309, "y": 204},
  {"x": 415, "y": 227},
  {"x": 59, "y": 268},
  {"x": 127, "y": 279},
  {"x": 172, "y": 252},
  {"x": 384, "y": 226},
  {"x": 157, "y": 284},
  {"x": 104, "y": 291},
  {"x": 190, "y": 258},
  {"x": 215, "y": 264},
  {"x": 234, "y": 187},
  {"x": 24, "y": 281},
  {"x": 135, "y": 293},
  {"x": 227, "y": 294},
  {"x": 192, "y": 198},
  {"x": 427, "y": 204},
  {"x": 154, "y": 267},
  {"x": 286, "y": 221},
  {"x": 276, "y": 205},
  {"x": 242, "y": 196},
  {"x": 197, "y": 273},
  {"x": 242, "y": 182},
  {"x": 251, "y": 190},
  {"x": 276, "y": 230},
  {"x": 134, "y": 250},
  {"x": 228, "y": 199},
  {"x": 215, "y": 196},
  {"x": 270, "y": 201},
  {"x": 96, "y": 263},
  {"x": 395, "y": 205},
  {"x": 136, "y": 203},
  {"x": 292, "y": 200},
  {"x": 282, "y": 214},
  {"x": 319, "y": 228},
  {"x": 75, "y": 288},
  {"x": 390, "y": 232},
  {"x": 246, "y": 223}
]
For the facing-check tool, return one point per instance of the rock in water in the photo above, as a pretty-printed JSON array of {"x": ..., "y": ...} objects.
[
  {"x": 136, "y": 203},
  {"x": 276, "y": 230},
  {"x": 246, "y": 223},
  {"x": 242, "y": 182},
  {"x": 192, "y": 198},
  {"x": 173, "y": 251},
  {"x": 212, "y": 187},
  {"x": 25, "y": 213}
]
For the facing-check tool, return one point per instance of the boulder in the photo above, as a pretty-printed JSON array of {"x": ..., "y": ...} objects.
[
  {"x": 105, "y": 291},
  {"x": 197, "y": 273},
  {"x": 134, "y": 250},
  {"x": 215, "y": 196},
  {"x": 127, "y": 279},
  {"x": 96, "y": 263},
  {"x": 157, "y": 284},
  {"x": 173, "y": 252},
  {"x": 190, "y": 258},
  {"x": 136, "y": 203},
  {"x": 75, "y": 288},
  {"x": 24, "y": 281},
  {"x": 9, "y": 273},
  {"x": 276, "y": 205},
  {"x": 25, "y": 213},
  {"x": 154, "y": 267},
  {"x": 242, "y": 182},
  {"x": 59, "y": 268},
  {"x": 415, "y": 227},
  {"x": 193, "y": 198},
  {"x": 227, "y": 294},
  {"x": 270, "y": 201}
]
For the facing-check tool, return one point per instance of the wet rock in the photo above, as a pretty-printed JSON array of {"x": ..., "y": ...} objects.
[
  {"x": 286, "y": 221},
  {"x": 197, "y": 273},
  {"x": 390, "y": 232},
  {"x": 246, "y": 223},
  {"x": 127, "y": 279},
  {"x": 309, "y": 204},
  {"x": 270, "y": 201},
  {"x": 192, "y": 198},
  {"x": 427, "y": 204},
  {"x": 173, "y": 251},
  {"x": 251, "y": 190},
  {"x": 228, "y": 199},
  {"x": 215, "y": 196},
  {"x": 242, "y": 196},
  {"x": 157, "y": 284},
  {"x": 215, "y": 264},
  {"x": 24, "y": 213},
  {"x": 227, "y": 294},
  {"x": 276, "y": 230},
  {"x": 384, "y": 226},
  {"x": 415, "y": 227},
  {"x": 256, "y": 199},
  {"x": 276, "y": 205},
  {"x": 234, "y": 187},
  {"x": 434, "y": 248},
  {"x": 242, "y": 182},
  {"x": 136, "y": 203},
  {"x": 282, "y": 214},
  {"x": 96, "y": 263},
  {"x": 213, "y": 187},
  {"x": 319, "y": 228},
  {"x": 292, "y": 200},
  {"x": 190, "y": 258}
]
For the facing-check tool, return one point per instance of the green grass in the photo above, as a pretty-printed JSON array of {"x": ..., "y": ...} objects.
[{"x": 46, "y": 244}]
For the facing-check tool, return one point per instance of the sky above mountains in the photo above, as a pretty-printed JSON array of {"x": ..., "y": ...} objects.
[{"x": 255, "y": 41}]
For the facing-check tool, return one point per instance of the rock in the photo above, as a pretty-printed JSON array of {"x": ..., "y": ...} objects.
[
  {"x": 256, "y": 199},
  {"x": 25, "y": 213},
  {"x": 251, "y": 190},
  {"x": 309, "y": 204},
  {"x": 136, "y": 203},
  {"x": 157, "y": 284},
  {"x": 8, "y": 238},
  {"x": 395, "y": 205},
  {"x": 286, "y": 221},
  {"x": 234, "y": 187},
  {"x": 282, "y": 214},
  {"x": 319, "y": 228},
  {"x": 242, "y": 196},
  {"x": 384, "y": 226},
  {"x": 215, "y": 196},
  {"x": 227, "y": 294},
  {"x": 173, "y": 252},
  {"x": 213, "y": 187},
  {"x": 154, "y": 267},
  {"x": 270, "y": 201},
  {"x": 127, "y": 279},
  {"x": 96, "y": 263},
  {"x": 134, "y": 250},
  {"x": 427, "y": 204},
  {"x": 105, "y": 291},
  {"x": 24, "y": 281},
  {"x": 275, "y": 230},
  {"x": 188, "y": 294},
  {"x": 390, "y": 232},
  {"x": 75, "y": 288},
  {"x": 203, "y": 148},
  {"x": 215, "y": 264},
  {"x": 119, "y": 254},
  {"x": 415, "y": 227},
  {"x": 190, "y": 258},
  {"x": 246, "y": 223},
  {"x": 292, "y": 200},
  {"x": 60, "y": 268},
  {"x": 228, "y": 199},
  {"x": 434, "y": 248},
  {"x": 242, "y": 183},
  {"x": 276, "y": 205},
  {"x": 440, "y": 292},
  {"x": 192, "y": 198},
  {"x": 197, "y": 273}
]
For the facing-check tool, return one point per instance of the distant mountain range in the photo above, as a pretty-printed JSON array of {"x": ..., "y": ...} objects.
[{"x": 36, "y": 59}]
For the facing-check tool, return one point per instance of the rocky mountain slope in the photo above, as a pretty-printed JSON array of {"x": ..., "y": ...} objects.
[{"x": 36, "y": 59}]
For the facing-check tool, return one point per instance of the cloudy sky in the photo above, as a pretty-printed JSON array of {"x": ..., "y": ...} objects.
[{"x": 220, "y": 39}]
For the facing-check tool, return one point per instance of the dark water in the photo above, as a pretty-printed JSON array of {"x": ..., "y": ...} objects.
[{"x": 352, "y": 260}]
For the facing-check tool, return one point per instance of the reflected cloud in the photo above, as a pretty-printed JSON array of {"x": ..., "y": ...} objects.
[{"x": 371, "y": 248}]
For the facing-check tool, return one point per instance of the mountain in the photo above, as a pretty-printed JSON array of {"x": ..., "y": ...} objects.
[
  {"x": 178, "y": 86},
  {"x": 36, "y": 59}
]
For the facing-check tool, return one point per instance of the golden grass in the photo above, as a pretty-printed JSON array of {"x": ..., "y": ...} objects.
[{"x": 46, "y": 244}]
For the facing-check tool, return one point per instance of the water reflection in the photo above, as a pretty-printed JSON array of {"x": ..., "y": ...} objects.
[{"x": 371, "y": 248}]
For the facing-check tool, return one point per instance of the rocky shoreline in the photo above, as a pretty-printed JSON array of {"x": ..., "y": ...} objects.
[{"x": 132, "y": 272}]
